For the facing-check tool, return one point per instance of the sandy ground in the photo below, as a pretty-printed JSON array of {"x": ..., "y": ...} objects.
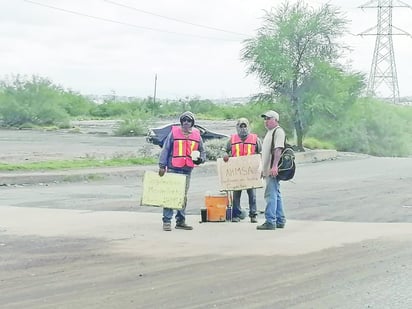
[{"x": 89, "y": 244}]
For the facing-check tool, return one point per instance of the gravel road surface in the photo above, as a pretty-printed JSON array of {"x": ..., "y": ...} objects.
[{"x": 88, "y": 244}]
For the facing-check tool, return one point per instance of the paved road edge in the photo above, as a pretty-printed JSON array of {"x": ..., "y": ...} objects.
[{"x": 93, "y": 174}]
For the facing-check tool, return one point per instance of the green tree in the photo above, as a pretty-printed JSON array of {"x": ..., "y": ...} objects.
[
  {"x": 33, "y": 101},
  {"x": 328, "y": 94},
  {"x": 293, "y": 40},
  {"x": 75, "y": 104}
]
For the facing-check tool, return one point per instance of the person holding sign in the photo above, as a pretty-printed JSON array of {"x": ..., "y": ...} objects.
[
  {"x": 272, "y": 147},
  {"x": 182, "y": 150},
  {"x": 243, "y": 143}
]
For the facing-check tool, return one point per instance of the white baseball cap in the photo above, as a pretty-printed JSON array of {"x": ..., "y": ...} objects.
[{"x": 271, "y": 114}]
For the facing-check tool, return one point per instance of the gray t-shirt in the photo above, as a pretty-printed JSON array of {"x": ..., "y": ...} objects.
[{"x": 279, "y": 142}]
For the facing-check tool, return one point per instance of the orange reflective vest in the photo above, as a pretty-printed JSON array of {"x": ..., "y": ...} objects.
[
  {"x": 243, "y": 148},
  {"x": 183, "y": 146}
]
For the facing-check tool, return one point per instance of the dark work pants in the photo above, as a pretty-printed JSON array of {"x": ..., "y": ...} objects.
[{"x": 237, "y": 210}]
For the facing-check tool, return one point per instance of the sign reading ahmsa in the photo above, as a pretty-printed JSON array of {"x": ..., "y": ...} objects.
[{"x": 240, "y": 173}]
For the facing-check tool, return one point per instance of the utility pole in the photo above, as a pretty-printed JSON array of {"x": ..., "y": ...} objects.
[
  {"x": 154, "y": 92},
  {"x": 383, "y": 68}
]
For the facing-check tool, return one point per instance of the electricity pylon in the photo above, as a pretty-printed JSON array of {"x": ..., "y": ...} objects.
[{"x": 383, "y": 68}]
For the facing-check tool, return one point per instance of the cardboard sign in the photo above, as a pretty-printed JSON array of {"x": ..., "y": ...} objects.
[
  {"x": 167, "y": 191},
  {"x": 240, "y": 173}
]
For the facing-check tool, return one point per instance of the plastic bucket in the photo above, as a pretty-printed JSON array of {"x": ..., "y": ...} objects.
[{"x": 216, "y": 207}]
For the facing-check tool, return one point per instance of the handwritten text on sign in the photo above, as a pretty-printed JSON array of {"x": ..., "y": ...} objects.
[
  {"x": 240, "y": 173},
  {"x": 167, "y": 191}
]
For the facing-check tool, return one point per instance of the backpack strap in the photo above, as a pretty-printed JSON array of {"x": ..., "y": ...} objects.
[{"x": 272, "y": 145}]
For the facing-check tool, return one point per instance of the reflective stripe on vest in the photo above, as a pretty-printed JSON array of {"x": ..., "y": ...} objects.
[
  {"x": 183, "y": 146},
  {"x": 243, "y": 148}
]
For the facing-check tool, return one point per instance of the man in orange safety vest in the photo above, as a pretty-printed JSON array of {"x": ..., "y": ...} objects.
[
  {"x": 182, "y": 150},
  {"x": 243, "y": 143}
]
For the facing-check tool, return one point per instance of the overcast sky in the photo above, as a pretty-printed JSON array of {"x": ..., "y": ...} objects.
[{"x": 193, "y": 46}]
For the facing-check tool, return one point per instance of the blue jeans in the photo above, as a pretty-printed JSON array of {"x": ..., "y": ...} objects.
[
  {"x": 274, "y": 207},
  {"x": 180, "y": 215},
  {"x": 237, "y": 210}
]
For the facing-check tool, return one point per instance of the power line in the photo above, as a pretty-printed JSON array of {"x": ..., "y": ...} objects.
[
  {"x": 173, "y": 19},
  {"x": 124, "y": 23}
]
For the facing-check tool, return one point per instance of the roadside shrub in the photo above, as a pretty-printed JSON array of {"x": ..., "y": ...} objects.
[
  {"x": 131, "y": 126},
  {"x": 27, "y": 125},
  {"x": 215, "y": 149},
  {"x": 313, "y": 143},
  {"x": 370, "y": 127},
  {"x": 384, "y": 129},
  {"x": 49, "y": 114},
  {"x": 32, "y": 100},
  {"x": 75, "y": 104},
  {"x": 13, "y": 114},
  {"x": 110, "y": 110}
]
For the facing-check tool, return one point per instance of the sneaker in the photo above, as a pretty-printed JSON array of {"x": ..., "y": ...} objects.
[
  {"x": 242, "y": 215},
  {"x": 266, "y": 226},
  {"x": 253, "y": 220},
  {"x": 280, "y": 225},
  {"x": 167, "y": 226},
  {"x": 183, "y": 226},
  {"x": 236, "y": 219}
]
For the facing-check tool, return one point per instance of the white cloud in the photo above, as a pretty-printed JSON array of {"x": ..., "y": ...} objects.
[{"x": 96, "y": 57}]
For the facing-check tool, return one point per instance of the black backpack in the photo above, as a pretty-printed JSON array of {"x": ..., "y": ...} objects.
[{"x": 286, "y": 165}]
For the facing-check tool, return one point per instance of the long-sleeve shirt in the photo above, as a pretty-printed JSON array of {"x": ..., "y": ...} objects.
[{"x": 165, "y": 159}]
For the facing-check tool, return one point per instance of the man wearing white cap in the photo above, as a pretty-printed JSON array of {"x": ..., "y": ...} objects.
[{"x": 272, "y": 147}]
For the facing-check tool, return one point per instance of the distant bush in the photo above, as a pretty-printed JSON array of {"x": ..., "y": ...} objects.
[
  {"x": 131, "y": 127},
  {"x": 363, "y": 125},
  {"x": 38, "y": 102},
  {"x": 215, "y": 149},
  {"x": 110, "y": 110}
]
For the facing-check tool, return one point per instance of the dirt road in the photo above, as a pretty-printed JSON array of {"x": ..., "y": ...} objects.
[{"x": 347, "y": 244}]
